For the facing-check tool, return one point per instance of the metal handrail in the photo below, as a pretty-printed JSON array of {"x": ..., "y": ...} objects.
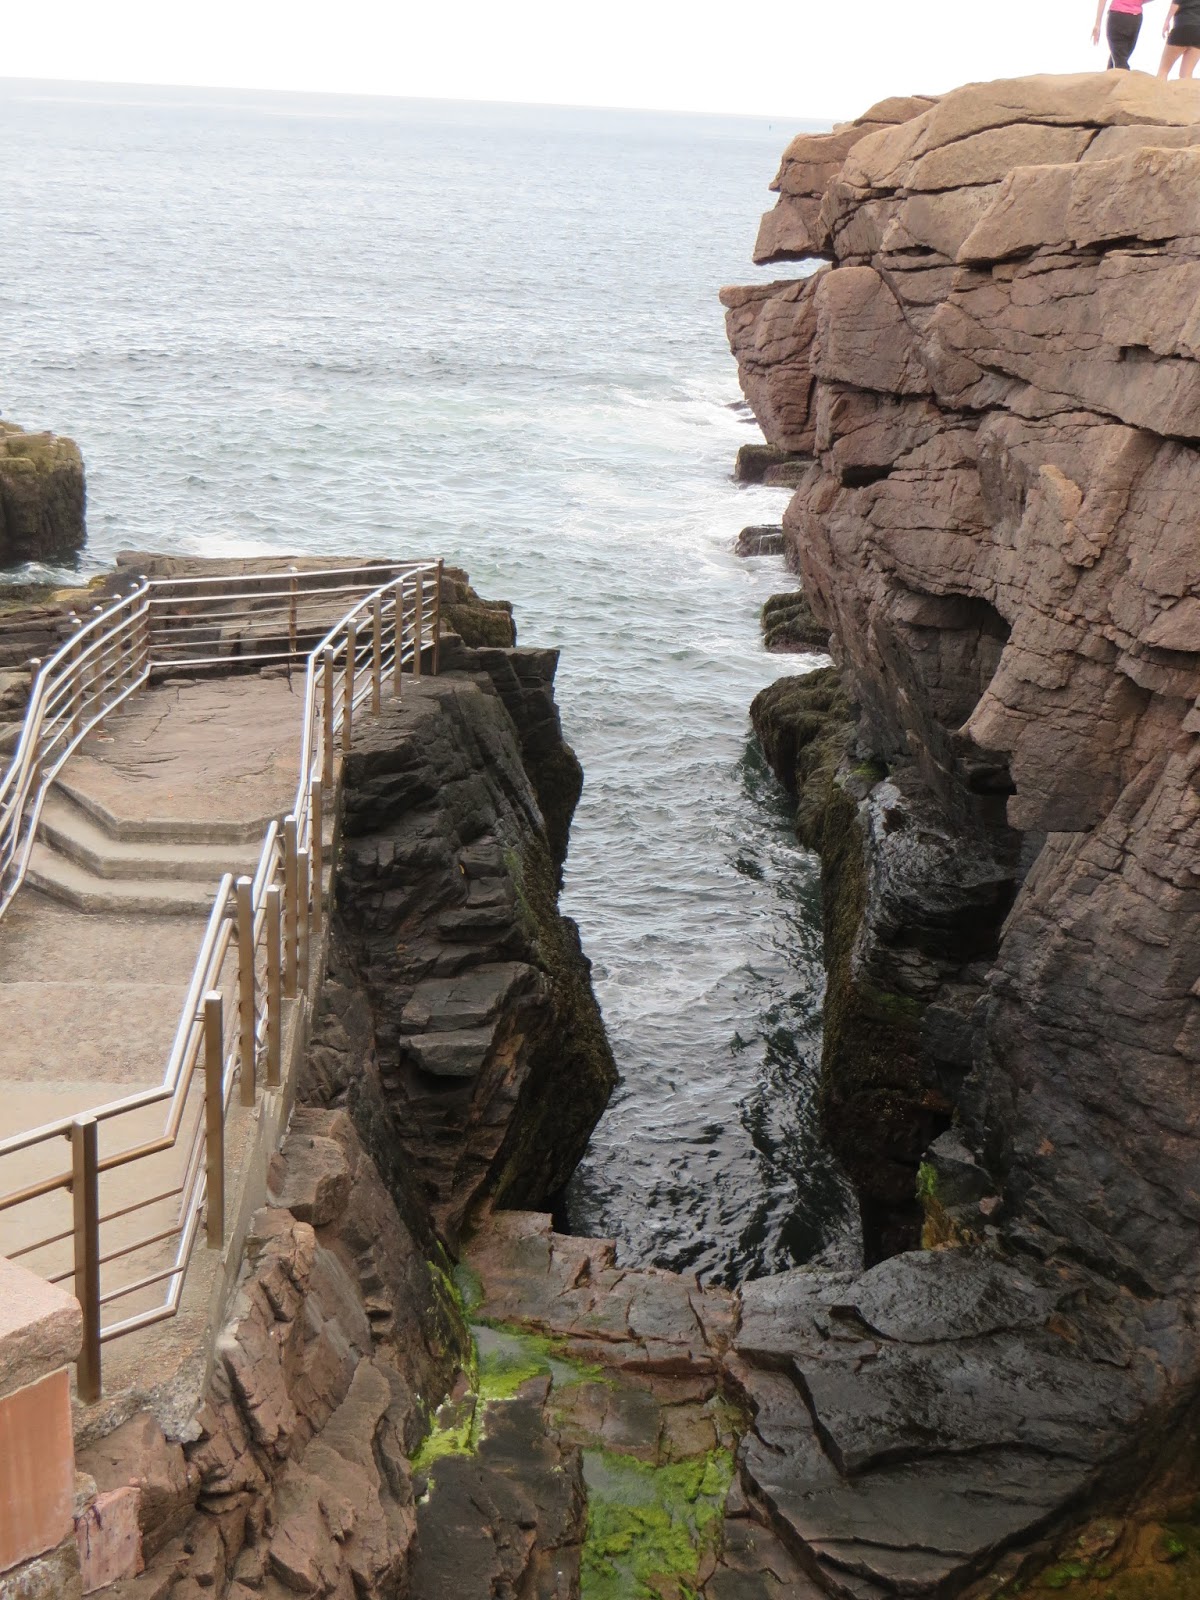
[
  {"x": 88, "y": 681},
  {"x": 268, "y": 918}
]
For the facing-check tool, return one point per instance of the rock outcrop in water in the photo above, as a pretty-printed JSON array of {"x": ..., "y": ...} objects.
[
  {"x": 41, "y": 497},
  {"x": 995, "y": 376}
]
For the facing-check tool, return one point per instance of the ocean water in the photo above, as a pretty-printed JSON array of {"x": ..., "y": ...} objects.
[{"x": 489, "y": 333}]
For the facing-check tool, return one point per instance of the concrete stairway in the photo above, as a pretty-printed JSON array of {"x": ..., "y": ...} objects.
[{"x": 89, "y": 859}]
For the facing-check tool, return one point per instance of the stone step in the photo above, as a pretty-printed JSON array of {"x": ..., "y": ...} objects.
[
  {"x": 73, "y": 832},
  {"x": 164, "y": 829},
  {"x": 66, "y": 880}
]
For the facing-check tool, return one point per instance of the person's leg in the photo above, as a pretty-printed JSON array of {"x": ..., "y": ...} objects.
[
  {"x": 1171, "y": 54},
  {"x": 1188, "y": 65},
  {"x": 1122, "y": 36}
]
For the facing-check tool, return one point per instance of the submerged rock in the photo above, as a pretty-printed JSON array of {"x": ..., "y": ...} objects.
[{"x": 759, "y": 541}]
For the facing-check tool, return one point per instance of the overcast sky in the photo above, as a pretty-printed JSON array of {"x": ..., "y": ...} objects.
[{"x": 805, "y": 58}]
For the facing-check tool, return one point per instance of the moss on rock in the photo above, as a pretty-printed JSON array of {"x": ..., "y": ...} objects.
[
  {"x": 874, "y": 1099},
  {"x": 805, "y": 725},
  {"x": 478, "y": 622},
  {"x": 788, "y": 623}
]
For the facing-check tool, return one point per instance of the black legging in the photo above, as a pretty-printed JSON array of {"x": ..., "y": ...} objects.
[{"x": 1123, "y": 30}]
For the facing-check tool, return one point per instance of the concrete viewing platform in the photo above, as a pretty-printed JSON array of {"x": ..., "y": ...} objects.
[{"x": 96, "y": 952}]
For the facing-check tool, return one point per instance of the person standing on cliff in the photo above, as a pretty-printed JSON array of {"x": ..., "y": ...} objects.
[
  {"x": 1182, "y": 33},
  {"x": 1124, "y": 25}
]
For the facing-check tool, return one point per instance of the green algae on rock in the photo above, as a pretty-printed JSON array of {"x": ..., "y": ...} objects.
[
  {"x": 509, "y": 1357},
  {"x": 647, "y": 1524}
]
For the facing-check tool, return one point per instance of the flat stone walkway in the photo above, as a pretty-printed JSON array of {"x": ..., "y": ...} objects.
[
  {"x": 91, "y": 999},
  {"x": 218, "y": 757}
]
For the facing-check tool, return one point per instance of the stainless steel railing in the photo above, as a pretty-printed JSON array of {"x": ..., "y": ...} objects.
[{"x": 256, "y": 953}]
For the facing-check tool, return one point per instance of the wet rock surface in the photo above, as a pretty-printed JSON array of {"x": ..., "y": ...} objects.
[
  {"x": 788, "y": 624},
  {"x": 629, "y": 1370},
  {"x": 900, "y": 1431},
  {"x": 760, "y": 540},
  {"x": 991, "y": 370}
]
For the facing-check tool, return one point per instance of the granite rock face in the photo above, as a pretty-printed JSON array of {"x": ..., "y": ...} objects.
[
  {"x": 990, "y": 368},
  {"x": 41, "y": 497},
  {"x": 995, "y": 527}
]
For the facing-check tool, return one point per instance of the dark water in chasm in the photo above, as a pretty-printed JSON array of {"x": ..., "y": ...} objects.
[{"x": 410, "y": 328}]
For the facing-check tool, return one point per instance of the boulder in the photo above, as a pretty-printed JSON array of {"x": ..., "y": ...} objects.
[{"x": 41, "y": 498}]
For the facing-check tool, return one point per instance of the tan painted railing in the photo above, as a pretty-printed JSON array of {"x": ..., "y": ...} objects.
[{"x": 254, "y": 958}]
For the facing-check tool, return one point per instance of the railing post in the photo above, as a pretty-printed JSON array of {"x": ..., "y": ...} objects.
[
  {"x": 317, "y": 845},
  {"x": 293, "y": 631},
  {"x": 398, "y": 622},
  {"x": 76, "y": 683},
  {"x": 133, "y": 643},
  {"x": 377, "y": 654},
  {"x": 304, "y": 889},
  {"x": 327, "y": 720},
  {"x": 214, "y": 1118},
  {"x": 85, "y": 1195},
  {"x": 290, "y": 907},
  {"x": 437, "y": 619},
  {"x": 348, "y": 691},
  {"x": 35, "y": 766},
  {"x": 144, "y": 631},
  {"x": 274, "y": 902},
  {"x": 247, "y": 988},
  {"x": 99, "y": 664},
  {"x": 418, "y": 622}
]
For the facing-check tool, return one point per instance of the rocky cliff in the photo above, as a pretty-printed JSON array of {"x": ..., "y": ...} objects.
[
  {"x": 993, "y": 374},
  {"x": 41, "y": 497}
]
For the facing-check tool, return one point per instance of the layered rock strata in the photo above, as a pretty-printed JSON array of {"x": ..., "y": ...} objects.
[
  {"x": 41, "y": 497},
  {"x": 991, "y": 373}
]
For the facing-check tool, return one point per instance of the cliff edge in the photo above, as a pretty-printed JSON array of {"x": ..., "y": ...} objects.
[{"x": 994, "y": 373}]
